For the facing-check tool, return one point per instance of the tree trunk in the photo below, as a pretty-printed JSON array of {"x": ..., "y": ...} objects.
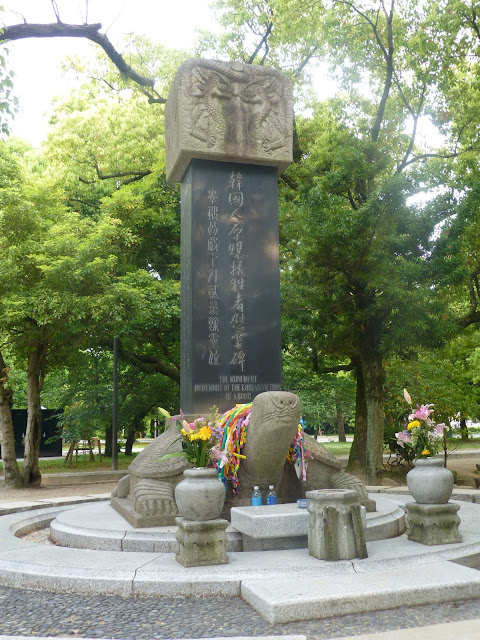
[
  {"x": 463, "y": 429},
  {"x": 36, "y": 357},
  {"x": 11, "y": 471},
  {"x": 130, "y": 440},
  {"x": 108, "y": 441},
  {"x": 341, "y": 426},
  {"x": 372, "y": 369},
  {"x": 358, "y": 452}
]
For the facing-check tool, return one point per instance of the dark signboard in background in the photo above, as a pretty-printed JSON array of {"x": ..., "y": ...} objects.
[{"x": 49, "y": 430}]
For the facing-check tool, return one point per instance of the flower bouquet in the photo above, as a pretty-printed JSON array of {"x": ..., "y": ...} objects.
[
  {"x": 421, "y": 434},
  {"x": 198, "y": 439}
]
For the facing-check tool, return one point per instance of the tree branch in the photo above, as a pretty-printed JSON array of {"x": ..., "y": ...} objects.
[
  {"x": 262, "y": 42},
  {"x": 473, "y": 22},
  {"x": 387, "y": 54},
  {"x": 351, "y": 200},
  {"x": 389, "y": 74},
  {"x": 403, "y": 164},
  {"x": 336, "y": 368},
  {"x": 445, "y": 156},
  {"x": 305, "y": 61},
  {"x": 150, "y": 364},
  {"x": 473, "y": 315},
  {"x": 135, "y": 175},
  {"x": 88, "y": 204},
  {"x": 90, "y": 32}
]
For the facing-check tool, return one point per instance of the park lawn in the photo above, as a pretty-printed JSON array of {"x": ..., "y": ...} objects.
[
  {"x": 454, "y": 444},
  {"x": 338, "y": 448},
  {"x": 83, "y": 463},
  {"x": 137, "y": 445}
]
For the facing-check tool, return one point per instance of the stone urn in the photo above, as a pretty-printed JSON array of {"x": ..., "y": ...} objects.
[
  {"x": 200, "y": 495},
  {"x": 430, "y": 482}
]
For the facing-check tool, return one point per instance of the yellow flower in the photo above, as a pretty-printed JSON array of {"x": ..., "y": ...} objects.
[
  {"x": 204, "y": 433},
  {"x": 412, "y": 425},
  {"x": 183, "y": 432},
  {"x": 425, "y": 452}
]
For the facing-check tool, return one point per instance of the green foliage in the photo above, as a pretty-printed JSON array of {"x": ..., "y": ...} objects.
[
  {"x": 371, "y": 279},
  {"x": 447, "y": 378},
  {"x": 8, "y": 101}
]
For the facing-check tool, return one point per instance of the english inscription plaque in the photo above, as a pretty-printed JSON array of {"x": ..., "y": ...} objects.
[{"x": 230, "y": 320}]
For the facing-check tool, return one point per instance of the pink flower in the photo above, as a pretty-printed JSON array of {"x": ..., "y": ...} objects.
[
  {"x": 188, "y": 426},
  {"x": 220, "y": 455},
  {"x": 440, "y": 428},
  {"x": 402, "y": 437},
  {"x": 421, "y": 413}
]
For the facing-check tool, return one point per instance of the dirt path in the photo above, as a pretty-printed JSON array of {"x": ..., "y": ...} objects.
[{"x": 47, "y": 492}]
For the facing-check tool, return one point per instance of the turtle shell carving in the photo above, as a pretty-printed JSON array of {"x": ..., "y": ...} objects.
[
  {"x": 147, "y": 464},
  {"x": 321, "y": 454}
]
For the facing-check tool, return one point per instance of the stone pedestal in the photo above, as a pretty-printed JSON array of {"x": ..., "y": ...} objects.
[
  {"x": 336, "y": 530},
  {"x": 201, "y": 543},
  {"x": 433, "y": 523}
]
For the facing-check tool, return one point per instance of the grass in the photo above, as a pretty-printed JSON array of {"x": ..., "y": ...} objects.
[
  {"x": 454, "y": 444},
  {"x": 338, "y": 448},
  {"x": 82, "y": 464}
]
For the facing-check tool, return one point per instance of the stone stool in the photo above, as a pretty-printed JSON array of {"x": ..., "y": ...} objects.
[
  {"x": 336, "y": 529},
  {"x": 433, "y": 523}
]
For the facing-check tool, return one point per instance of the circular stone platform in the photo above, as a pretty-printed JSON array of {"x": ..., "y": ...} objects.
[
  {"x": 99, "y": 526},
  {"x": 283, "y": 585}
]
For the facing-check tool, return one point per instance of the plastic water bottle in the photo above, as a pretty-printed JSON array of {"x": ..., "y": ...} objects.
[
  {"x": 271, "y": 495},
  {"x": 256, "y": 497}
]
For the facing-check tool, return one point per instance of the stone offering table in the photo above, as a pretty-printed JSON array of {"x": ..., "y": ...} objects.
[
  {"x": 285, "y": 526},
  {"x": 269, "y": 527}
]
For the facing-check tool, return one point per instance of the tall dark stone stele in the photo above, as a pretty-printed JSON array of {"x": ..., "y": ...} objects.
[{"x": 228, "y": 133}]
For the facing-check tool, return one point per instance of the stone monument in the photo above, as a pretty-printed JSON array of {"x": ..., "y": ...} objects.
[
  {"x": 228, "y": 134},
  {"x": 146, "y": 495}
]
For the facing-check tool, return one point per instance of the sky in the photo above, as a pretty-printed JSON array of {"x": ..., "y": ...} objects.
[{"x": 36, "y": 61}]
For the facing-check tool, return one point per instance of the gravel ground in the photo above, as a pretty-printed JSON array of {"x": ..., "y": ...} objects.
[{"x": 33, "y": 613}]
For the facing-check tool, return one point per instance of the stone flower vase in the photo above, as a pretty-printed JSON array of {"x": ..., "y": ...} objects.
[
  {"x": 430, "y": 482},
  {"x": 200, "y": 495}
]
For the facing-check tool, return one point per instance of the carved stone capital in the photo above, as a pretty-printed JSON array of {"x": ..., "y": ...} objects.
[{"x": 230, "y": 112}]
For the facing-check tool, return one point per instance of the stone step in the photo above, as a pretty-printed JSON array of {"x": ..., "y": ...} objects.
[
  {"x": 334, "y": 595},
  {"x": 463, "y": 630}
]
